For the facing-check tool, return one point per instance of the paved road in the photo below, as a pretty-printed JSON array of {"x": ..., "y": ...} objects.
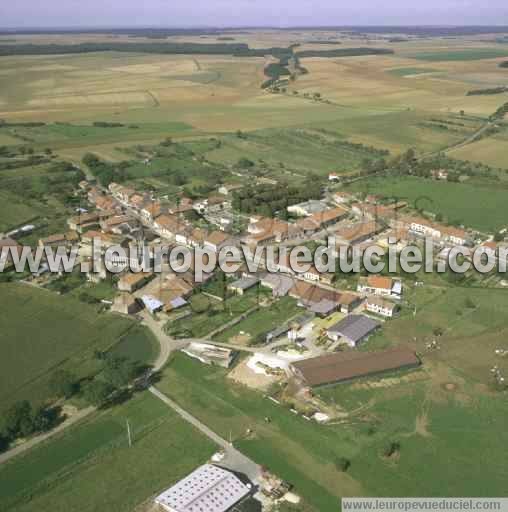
[
  {"x": 166, "y": 343},
  {"x": 234, "y": 459}
]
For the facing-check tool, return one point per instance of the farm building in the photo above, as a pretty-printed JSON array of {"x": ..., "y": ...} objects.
[
  {"x": 210, "y": 354},
  {"x": 242, "y": 285},
  {"x": 131, "y": 282},
  {"x": 307, "y": 208},
  {"x": 380, "y": 285},
  {"x": 209, "y": 488},
  {"x": 353, "y": 329},
  {"x": 381, "y": 307},
  {"x": 345, "y": 366}
]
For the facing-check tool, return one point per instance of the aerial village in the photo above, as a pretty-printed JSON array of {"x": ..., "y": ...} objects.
[{"x": 300, "y": 331}]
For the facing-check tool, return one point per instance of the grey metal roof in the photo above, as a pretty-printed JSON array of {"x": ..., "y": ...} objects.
[
  {"x": 354, "y": 327},
  {"x": 311, "y": 206},
  {"x": 209, "y": 488},
  {"x": 323, "y": 307},
  {"x": 279, "y": 283},
  {"x": 278, "y": 331}
]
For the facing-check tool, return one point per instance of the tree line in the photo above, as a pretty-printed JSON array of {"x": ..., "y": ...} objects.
[{"x": 234, "y": 49}]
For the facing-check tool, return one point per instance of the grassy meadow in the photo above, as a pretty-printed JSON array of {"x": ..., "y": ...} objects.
[
  {"x": 480, "y": 207},
  {"x": 92, "y": 466},
  {"x": 41, "y": 332}
]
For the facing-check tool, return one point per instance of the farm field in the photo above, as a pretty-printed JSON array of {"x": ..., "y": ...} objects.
[
  {"x": 470, "y": 319},
  {"x": 91, "y": 463},
  {"x": 461, "y": 55},
  {"x": 41, "y": 331},
  {"x": 15, "y": 211},
  {"x": 479, "y": 207},
  {"x": 182, "y": 95},
  {"x": 491, "y": 151},
  {"x": 419, "y": 415}
]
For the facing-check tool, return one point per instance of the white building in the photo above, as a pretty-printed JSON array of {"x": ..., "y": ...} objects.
[
  {"x": 381, "y": 307},
  {"x": 307, "y": 208},
  {"x": 208, "y": 489}
]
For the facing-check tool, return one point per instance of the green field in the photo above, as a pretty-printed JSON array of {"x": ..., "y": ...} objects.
[
  {"x": 263, "y": 321},
  {"x": 476, "y": 206},
  {"x": 61, "y": 135},
  {"x": 91, "y": 466},
  {"x": 460, "y": 55},
  {"x": 41, "y": 331},
  {"x": 472, "y": 320},
  {"x": 411, "y": 71},
  {"x": 210, "y": 314},
  {"x": 14, "y": 211}
]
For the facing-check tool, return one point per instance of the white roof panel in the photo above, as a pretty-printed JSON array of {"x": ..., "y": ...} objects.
[{"x": 208, "y": 489}]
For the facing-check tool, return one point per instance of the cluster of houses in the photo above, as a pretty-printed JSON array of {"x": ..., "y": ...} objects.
[{"x": 124, "y": 216}]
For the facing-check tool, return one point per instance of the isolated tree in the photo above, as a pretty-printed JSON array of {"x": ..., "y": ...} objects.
[
  {"x": 98, "y": 392},
  {"x": 4, "y": 442},
  {"x": 245, "y": 163},
  {"x": 392, "y": 448},
  {"x": 63, "y": 383},
  {"x": 118, "y": 371},
  {"x": 342, "y": 464},
  {"x": 18, "y": 420}
]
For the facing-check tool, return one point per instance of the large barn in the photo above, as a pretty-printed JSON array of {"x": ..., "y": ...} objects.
[
  {"x": 209, "y": 488},
  {"x": 344, "y": 366}
]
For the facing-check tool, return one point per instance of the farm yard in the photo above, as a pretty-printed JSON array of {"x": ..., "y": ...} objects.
[{"x": 419, "y": 413}]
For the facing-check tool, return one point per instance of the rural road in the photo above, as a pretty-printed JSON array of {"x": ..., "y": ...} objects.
[{"x": 234, "y": 459}]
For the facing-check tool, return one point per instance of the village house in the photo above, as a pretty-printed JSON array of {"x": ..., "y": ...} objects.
[
  {"x": 106, "y": 203},
  {"x": 151, "y": 211},
  {"x": 131, "y": 282},
  {"x": 106, "y": 240},
  {"x": 423, "y": 227},
  {"x": 123, "y": 194},
  {"x": 59, "y": 240},
  {"x": 327, "y": 218},
  {"x": 380, "y": 285},
  {"x": 333, "y": 176},
  {"x": 168, "y": 226},
  {"x": 216, "y": 240},
  {"x": 456, "y": 236},
  {"x": 116, "y": 221},
  {"x": 196, "y": 238},
  {"x": 381, "y": 307},
  {"x": 137, "y": 201},
  {"x": 358, "y": 233},
  {"x": 83, "y": 221}
]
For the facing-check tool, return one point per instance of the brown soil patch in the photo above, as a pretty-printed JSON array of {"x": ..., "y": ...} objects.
[{"x": 244, "y": 375}]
